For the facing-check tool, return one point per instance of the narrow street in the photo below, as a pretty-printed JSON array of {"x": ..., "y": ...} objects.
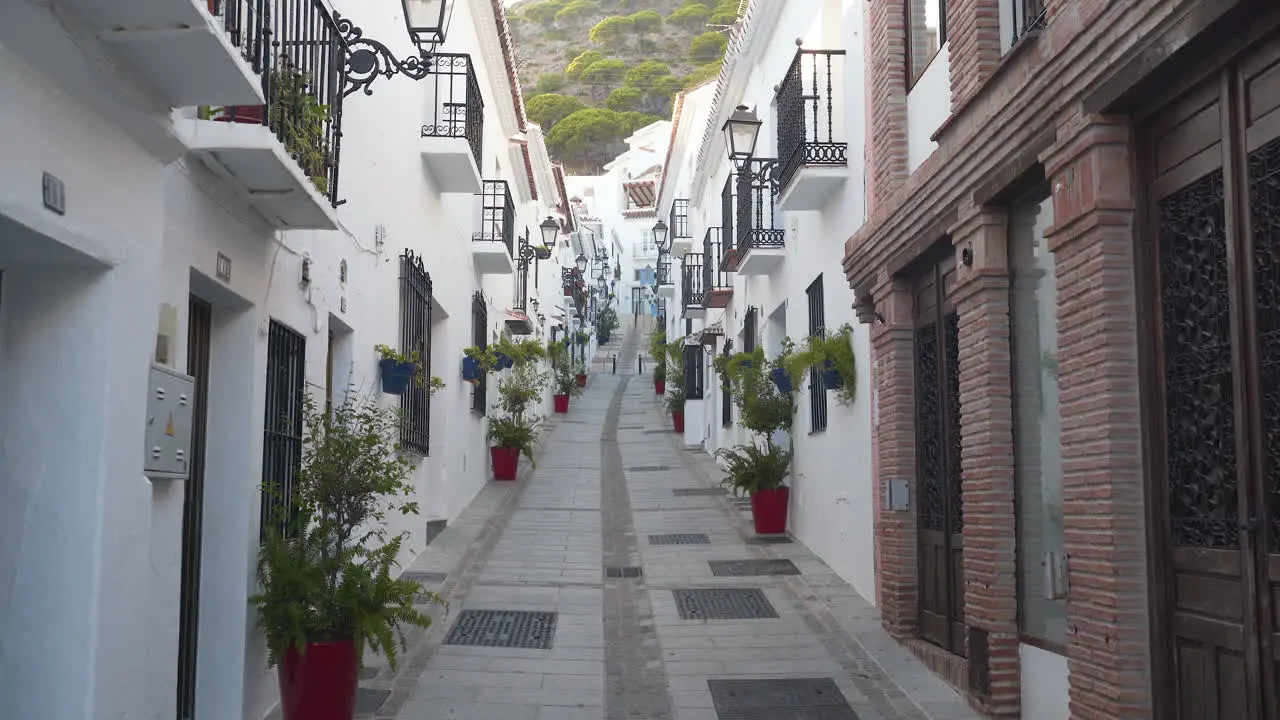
[{"x": 615, "y": 581}]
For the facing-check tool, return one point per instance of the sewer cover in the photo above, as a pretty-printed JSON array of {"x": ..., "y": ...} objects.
[
  {"x": 769, "y": 540},
  {"x": 649, "y": 468},
  {"x": 691, "y": 492},
  {"x": 723, "y": 604},
  {"x": 739, "y": 568},
  {"x": 630, "y": 571},
  {"x": 680, "y": 539},
  {"x": 370, "y": 700},
  {"x": 780, "y": 699},
  {"x": 504, "y": 628}
]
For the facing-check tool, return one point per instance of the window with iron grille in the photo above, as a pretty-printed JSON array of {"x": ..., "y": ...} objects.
[
  {"x": 726, "y": 391},
  {"x": 817, "y": 390},
  {"x": 282, "y": 426},
  {"x": 694, "y": 376},
  {"x": 749, "y": 331},
  {"x": 415, "y": 337},
  {"x": 480, "y": 339}
]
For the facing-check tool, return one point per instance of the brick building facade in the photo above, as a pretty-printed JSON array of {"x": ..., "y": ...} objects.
[{"x": 1135, "y": 141}]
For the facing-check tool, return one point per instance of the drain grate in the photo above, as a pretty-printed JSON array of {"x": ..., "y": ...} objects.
[
  {"x": 630, "y": 427},
  {"x": 780, "y": 699},
  {"x": 680, "y": 539},
  {"x": 649, "y": 468},
  {"x": 769, "y": 540},
  {"x": 370, "y": 700},
  {"x": 741, "y": 568},
  {"x": 692, "y": 492},
  {"x": 426, "y": 578},
  {"x": 630, "y": 571},
  {"x": 504, "y": 628},
  {"x": 664, "y": 430},
  {"x": 723, "y": 604}
]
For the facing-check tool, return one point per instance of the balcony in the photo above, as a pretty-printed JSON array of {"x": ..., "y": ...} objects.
[
  {"x": 493, "y": 245},
  {"x": 681, "y": 237},
  {"x": 750, "y": 199},
  {"x": 813, "y": 162},
  {"x": 666, "y": 284},
  {"x": 452, "y": 139},
  {"x": 283, "y": 156},
  {"x": 193, "y": 52},
  {"x": 717, "y": 287},
  {"x": 691, "y": 287}
]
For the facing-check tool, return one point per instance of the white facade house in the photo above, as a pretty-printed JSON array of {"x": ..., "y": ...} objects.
[
  {"x": 623, "y": 202},
  {"x": 155, "y": 232},
  {"x": 762, "y": 256}
]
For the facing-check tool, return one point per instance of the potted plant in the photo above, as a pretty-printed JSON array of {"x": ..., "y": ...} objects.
[
  {"x": 658, "y": 351},
  {"x": 659, "y": 379},
  {"x": 397, "y": 369},
  {"x": 580, "y": 373},
  {"x": 831, "y": 354},
  {"x": 325, "y": 564},
  {"x": 760, "y": 473},
  {"x": 564, "y": 385},
  {"x": 675, "y": 405},
  {"x": 763, "y": 408},
  {"x": 606, "y": 323},
  {"x": 515, "y": 432}
]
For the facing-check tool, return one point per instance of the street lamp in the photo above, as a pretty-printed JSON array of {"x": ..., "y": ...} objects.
[
  {"x": 660, "y": 235},
  {"x": 741, "y": 131},
  {"x": 550, "y": 228},
  {"x": 581, "y": 262},
  {"x": 427, "y": 22}
]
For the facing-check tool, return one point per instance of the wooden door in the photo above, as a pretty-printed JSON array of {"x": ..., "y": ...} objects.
[
  {"x": 199, "y": 337},
  {"x": 939, "y": 515},
  {"x": 1212, "y": 260}
]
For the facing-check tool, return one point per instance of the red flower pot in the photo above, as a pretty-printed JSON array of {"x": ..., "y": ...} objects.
[
  {"x": 582, "y": 379},
  {"x": 505, "y": 462},
  {"x": 677, "y": 419},
  {"x": 244, "y": 114},
  {"x": 769, "y": 510},
  {"x": 562, "y": 403},
  {"x": 660, "y": 387},
  {"x": 319, "y": 684}
]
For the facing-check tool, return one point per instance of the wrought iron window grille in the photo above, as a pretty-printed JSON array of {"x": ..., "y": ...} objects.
[
  {"x": 497, "y": 215},
  {"x": 694, "y": 372},
  {"x": 1029, "y": 16},
  {"x": 679, "y": 219},
  {"x": 415, "y": 336},
  {"x": 806, "y": 114},
  {"x": 282, "y": 427},
  {"x": 817, "y": 389},
  {"x": 749, "y": 330},
  {"x": 726, "y": 389},
  {"x": 480, "y": 339}
]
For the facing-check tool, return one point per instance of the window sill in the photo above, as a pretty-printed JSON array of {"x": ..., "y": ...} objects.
[{"x": 1042, "y": 644}]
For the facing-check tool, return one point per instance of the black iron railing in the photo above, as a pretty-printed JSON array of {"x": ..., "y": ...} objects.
[
  {"x": 295, "y": 46},
  {"x": 480, "y": 339},
  {"x": 664, "y": 268},
  {"x": 692, "y": 281},
  {"x": 497, "y": 215},
  {"x": 817, "y": 391},
  {"x": 458, "y": 109},
  {"x": 415, "y": 337},
  {"x": 749, "y": 330},
  {"x": 756, "y": 218},
  {"x": 694, "y": 373},
  {"x": 679, "y": 222},
  {"x": 715, "y": 276},
  {"x": 808, "y": 133},
  {"x": 282, "y": 427},
  {"x": 1028, "y": 16}
]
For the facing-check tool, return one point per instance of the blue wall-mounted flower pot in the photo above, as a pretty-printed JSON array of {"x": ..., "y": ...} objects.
[
  {"x": 396, "y": 376},
  {"x": 831, "y": 377},
  {"x": 504, "y": 360},
  {"x": 781, "y": 380},
  {"x": 471, "y": 370}
]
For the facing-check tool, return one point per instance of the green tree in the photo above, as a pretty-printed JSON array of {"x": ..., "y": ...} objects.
[
  {"x": 643, "y": 75},
  {"x": 666, "y": 86},
  {"x": 550, "y": 109},
  {"x": 604, "y": 72},
  {"x": 624, "y": 99},
  {"x": 690, "y": 17},
  {"x": 702, "y": 73},
  {"x": 707, "y": 47},
  {"x": 646, "y": 21},
  {"x": 611, "y": 30},
  {"x": 576, "y": 12},
  {"x": 582, "y": 62},
  {"x": 586, "y": 131},
  {"x": 723, "y": 18},
  {"x": 549, "y": 83},
  {"x": 543, "y": 13}
]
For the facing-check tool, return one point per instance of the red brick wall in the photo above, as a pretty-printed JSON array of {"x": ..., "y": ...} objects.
[
  {"x": 973, "y": 33},
  {"x": 886, "y": 100}
]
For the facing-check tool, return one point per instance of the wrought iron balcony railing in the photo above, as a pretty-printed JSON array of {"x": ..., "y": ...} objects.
[
  {"x": 664, "y": 269},
  {"x": 693, "y": 279},
  {"x": 715, "y": 276},
  {"x": 296, "y": 48},
  {"x": 809, "y": 116},
  {"x": 679, "y": 222},
  {"x": 756, "y": 200},
  {"x": 497, "y": 215},
  {"x": 458, "y": 110}
]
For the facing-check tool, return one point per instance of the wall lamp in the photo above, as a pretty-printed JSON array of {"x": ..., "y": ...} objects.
[{"x": 427, "y": 22}]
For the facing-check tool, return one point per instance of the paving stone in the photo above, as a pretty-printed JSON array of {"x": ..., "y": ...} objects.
[{"x": 780, "y": 699}]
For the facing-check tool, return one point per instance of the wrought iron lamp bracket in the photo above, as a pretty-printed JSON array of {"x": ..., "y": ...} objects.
[
  {"x": 366, "y": 60},
  {"x": 763, "y": 170}
]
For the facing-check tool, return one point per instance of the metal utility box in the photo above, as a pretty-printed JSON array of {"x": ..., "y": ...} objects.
[{"x": 170, "y": 409}]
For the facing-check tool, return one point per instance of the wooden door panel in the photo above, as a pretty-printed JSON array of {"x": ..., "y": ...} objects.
[{"x": 1212, "y": 684}]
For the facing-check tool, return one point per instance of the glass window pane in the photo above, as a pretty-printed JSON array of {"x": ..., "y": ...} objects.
[
  {"x": 1037, "y": 447},
  {"x": 925, "y": 34}
]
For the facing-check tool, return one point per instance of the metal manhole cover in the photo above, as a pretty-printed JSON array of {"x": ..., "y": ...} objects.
[
  {"x": 691, "y": 492},
  {"x": 370, "y": 700},
  {"x": 779, "y": 699},
  {"x": 426, "y": 578},
  {"x": 504, "y": 628},
  {"x": 649, "y": 468},
  {"x": 723, "y": 604},
  {"x": 630, "y": 571},
  {"x": 769, "y": 540},
  {"x": 680, "y": 539},
  {"x": 740, "y": 568}
]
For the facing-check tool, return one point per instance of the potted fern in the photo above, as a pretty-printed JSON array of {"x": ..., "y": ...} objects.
[
  {"x": 325, "y": 567},
  {"x": 515, "y": 432},
  {"x": 675, "y": 405},
  {"x": 761, "y": 473}
]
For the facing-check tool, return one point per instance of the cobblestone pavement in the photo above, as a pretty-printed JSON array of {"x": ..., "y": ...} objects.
[{"x": 621, "y": 648}]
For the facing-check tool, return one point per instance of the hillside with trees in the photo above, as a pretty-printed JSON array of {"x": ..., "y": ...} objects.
[{"x": 595, "y": 71}]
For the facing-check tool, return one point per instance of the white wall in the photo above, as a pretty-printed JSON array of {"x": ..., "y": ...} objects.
[
  {"x": 928, "y": 106},
  {"x": 1044, "y": 684}
]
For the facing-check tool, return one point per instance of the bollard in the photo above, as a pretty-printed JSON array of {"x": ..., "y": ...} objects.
[
  {"x": 639, "y": 364},
  {"x": 615, "y": 363}
]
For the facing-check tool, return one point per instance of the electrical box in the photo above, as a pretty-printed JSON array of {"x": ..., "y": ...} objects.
[
  {"x": 895, "y": 495},
  {"x": 170, "y": 409}
]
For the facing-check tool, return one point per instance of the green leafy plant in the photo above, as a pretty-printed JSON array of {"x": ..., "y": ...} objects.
[
  {"x": 433, "y": 383},
  {"x": 563, "y": 381},
  {"x": 763, "y": 408},
  {"x": 302, "y": 123},
  {"x": 748, "y": 469},
  {"x": 606, "y": 321},
  {"x": 675, "y": 399},
  {"x": 830, "y": 350},
  {"x": 325, "y": 565},
  {"x": 519, "y": 433},
  {"x": 520, "y": 391}
]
